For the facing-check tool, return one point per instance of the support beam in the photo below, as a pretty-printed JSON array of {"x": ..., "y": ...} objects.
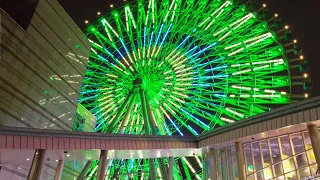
[
  {"x": 152, "y": 170},
  {"x": 150, "y": 116},
  {"x": 125, "y": 120},
  {"x": 315, "y": 141},
  {"x": 170, "y": 169},
  {"x": 102, "y": 167},
  {"x": 210, "y": 165},
  {"x": 37, "y": 164},
  {"x": 240, "y": 160},
  {"x": 118, "y": 116},
  {"x": 84, "y": 171},
  {"x": 144, "y": 112},
  {"x": 59, "y": 170}
]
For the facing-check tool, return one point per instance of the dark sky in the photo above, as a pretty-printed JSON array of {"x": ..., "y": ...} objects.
[{"x": 301, "y": 15}]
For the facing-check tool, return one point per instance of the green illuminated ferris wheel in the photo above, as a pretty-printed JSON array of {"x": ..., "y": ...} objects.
[{"x": 184, "y": 67}]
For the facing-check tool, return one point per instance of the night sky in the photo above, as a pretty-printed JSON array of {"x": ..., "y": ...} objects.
[{"x": 301, "y": 15}]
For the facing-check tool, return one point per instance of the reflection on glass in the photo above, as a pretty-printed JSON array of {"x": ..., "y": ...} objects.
[
  {"x": 260, "y": 175},
  {"x": 267, "y": 173},
  {"x": 257, "y": 156},
  {"x": 248, "y": 156},
  {"x": 297, "y": 143},
  {"x": 275, "y": 150},
  {"x": 235, "y": 166},
  {"x": 278, "y": 169},
  {"x": 288, "y": 165},
  {"x": 301, "y": 160},
  {"x": 280, "y": 178},
  {"x": 251, "y": 177},
  {"x": 265, "y": 152},
  {"x": 313, "y": 169},
  {"x": 291, "y": 176},
  {"x": 305, "y": 172},
  {"x": 308, "y": 141},
  {"x": 285, "y": 146},
  {"x": 311, "y": 157}
]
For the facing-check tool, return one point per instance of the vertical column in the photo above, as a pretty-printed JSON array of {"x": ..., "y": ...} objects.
[
  {"x": 241, "y": 162},
  {"x": 102, "y": 165},
  {"x": 170, "y": 168},
  {"x": 37, "y": 164},
  {"x": 152, "y": 169},
  {"x": 315, "y": 141},
  {"x": 84, "y": 170},
  {"x": 59, "y": 170}
]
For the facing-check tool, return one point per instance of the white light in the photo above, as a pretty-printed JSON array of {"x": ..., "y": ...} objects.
[
  {"x": 68, "y": 155},
  {"x": 57, "y": 160},
  {"x": 264, "y": 5},
  {"x": 28, "y": 159},
  {"x": 86, "y": 21},
  {"x": 111, "y": 5},
  {"x": 305, "y": 75},
  {"x": 98, "y": 13},
  {"x": 276, "y": 15},
  {"x": 306, "y": 95}
]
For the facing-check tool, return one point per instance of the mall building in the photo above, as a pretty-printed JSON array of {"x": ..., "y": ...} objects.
[{"x": 42, "y": 68}]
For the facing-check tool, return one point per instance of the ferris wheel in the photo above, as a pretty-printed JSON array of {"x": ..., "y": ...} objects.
[{"x": 184, "y": 67}]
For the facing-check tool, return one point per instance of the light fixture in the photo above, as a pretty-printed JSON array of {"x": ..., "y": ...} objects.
[
  {"x": 295, "y": 41},
  {"x": 19, "y": 167},
  {"x": 264, "y": 5},
  {"x": 57, "y": 160},
  {"x": 68, "y": 155},
  {"x": 28, "y": 159},
  {"x": 287, "y": 27},
  {"x": 301, "y": 57},
  {"x": 111, "y": 5},
  {"x": 86, "y": 21},
  {"x": 98, "y": 13},
  {"x": 276, "y": 15},
  {"x": 306, "y": 95},
  {"x": 305, "y": 75}
]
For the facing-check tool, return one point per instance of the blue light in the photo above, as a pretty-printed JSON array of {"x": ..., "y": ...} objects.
[
  {"x": 203, "y": 49},
  {"x": 165, "y": 36},
  {"x": 183, "y": 41},
  {"x": 176, "y": 127},
  {"x": 208, "y": 127},
  {"x": 194, "y": 131},
  {"x": 159, "y": 34}
]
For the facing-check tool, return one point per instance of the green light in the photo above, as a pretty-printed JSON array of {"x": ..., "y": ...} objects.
[{"x": 181, "y": 69}]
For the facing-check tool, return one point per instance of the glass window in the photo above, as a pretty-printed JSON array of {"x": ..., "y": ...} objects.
[
  {"x": 248, "y": 156},
  {"x": 301, "y": 160},
  {"x": 313, "y": 169},
  {"x": 257, "y": 156},
  {"x": 278, "y": 169},
  {"x": 260, "y": 175},
  {"x": 288, "y": 165},
  {"x": 308, "y": 141},
  {"x": 297, "y": 143},
  {"x": 251, "y": 177},
  {"x": 311, "y": 157},
  {"x": 286, "y": 147},
  {"x": 280, "y": 178},
  {"x": 268, "y": 173},
  {"x": 275, "y": 150},
  {"x": 235, "y": 166},
  {"x": 304, "y": 172},
  {"x": 265, "y": 152},
  {"x": 291, "y": 176}
]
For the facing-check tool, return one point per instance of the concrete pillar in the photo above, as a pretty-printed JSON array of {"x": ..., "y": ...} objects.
[
  {"x": 102, "y": 165},
  {"x": 152, "y": 170},
  {"x": 59, "y": 170},
  {"x": 37, "y": 164},
  {"x": 315, "y": 141},
  {"x": 210, "y": 165},
  {"x": 84, "y": 170},
  {"x": 241, "y": 162},
  {"x": 170, "y": 168}
]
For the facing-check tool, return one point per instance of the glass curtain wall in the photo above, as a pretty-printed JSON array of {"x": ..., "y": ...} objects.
[{"x": 287, "y": 157}]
